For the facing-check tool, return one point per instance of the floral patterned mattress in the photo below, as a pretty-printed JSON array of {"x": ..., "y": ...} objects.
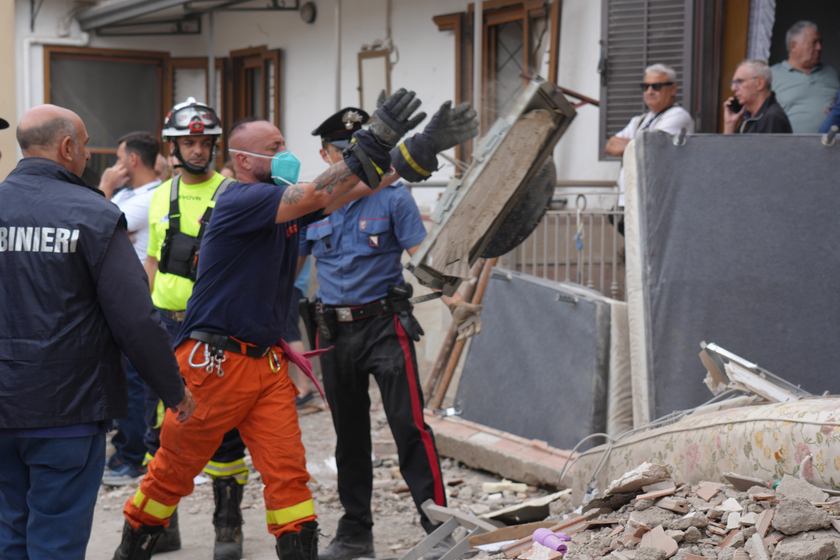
[{"x": 764, "y": 441}]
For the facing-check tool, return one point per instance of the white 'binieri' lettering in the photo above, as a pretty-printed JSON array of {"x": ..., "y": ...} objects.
[{"x": 38, "y": 239}]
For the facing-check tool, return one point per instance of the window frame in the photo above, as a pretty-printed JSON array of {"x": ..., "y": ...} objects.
[
  {"x": 495, "y": 12},
  {"x": 114, "y": 55},
  {"x": 240, "y": 62}
]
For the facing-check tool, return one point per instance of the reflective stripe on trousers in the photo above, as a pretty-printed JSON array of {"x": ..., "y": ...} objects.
[{"x": 261, "y": 403}]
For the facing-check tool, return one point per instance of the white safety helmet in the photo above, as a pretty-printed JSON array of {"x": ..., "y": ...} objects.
[{"x": 191, "y": 118}]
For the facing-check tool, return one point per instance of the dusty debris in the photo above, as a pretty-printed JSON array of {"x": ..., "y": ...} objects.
[
  {"x": 822, "y": 549},
  {"x": 795, "y": 515},
  {"x": 798, "y": 488},
  {"x": 650, "y": 553},
  {"x": 657, "y": 494},
  {"x": 505, "y": 484},
  {"x": 535, "y": 509},
  {"x": 643, "y": 475},
  {"x": 540, "y": 552},
  {"x": 744, "y": 483},
  {"x": 756, "y": 548},
  {"x": 720, "y": 522},
  {"x": 657, "y": 538},
  {"x": 692, "y": 535},
  {"x": 708, "y": 490}
]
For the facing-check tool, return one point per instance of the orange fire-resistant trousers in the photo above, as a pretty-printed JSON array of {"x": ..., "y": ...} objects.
[{"x": 250, "y": 396}]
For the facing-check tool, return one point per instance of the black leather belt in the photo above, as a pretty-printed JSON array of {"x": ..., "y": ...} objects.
[
  {"x": 226, "y": 343},
  {"x": 350, "y": 314},
  {"x": 175, "y": 315}
]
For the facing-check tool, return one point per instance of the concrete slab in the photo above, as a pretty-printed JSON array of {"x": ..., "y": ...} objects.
[{"x": 513, "y": 457}]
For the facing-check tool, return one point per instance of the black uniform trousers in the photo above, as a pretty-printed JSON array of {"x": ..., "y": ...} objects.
[{"x": 379, "y": 346}]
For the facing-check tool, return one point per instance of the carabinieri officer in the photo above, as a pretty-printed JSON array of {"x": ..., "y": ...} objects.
[
  {"x": 73, "y": 297},
  {"x": 364, "y": 314}
]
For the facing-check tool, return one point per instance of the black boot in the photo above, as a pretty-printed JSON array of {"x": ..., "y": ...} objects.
[
  {"x": 170, "y": 538},
  {"x": 347, "y": 547},
  {"x": 299, "y": 546},
  {"x": 309, "y": 540},
  {"x": 137, "y": 544},
  {"x": 227, "y": 493}
]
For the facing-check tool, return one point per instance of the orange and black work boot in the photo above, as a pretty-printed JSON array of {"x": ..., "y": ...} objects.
[
  {"x": 137, "y": 544},
  {"x": 227, "y": 493},
  {"x": 170, "y": 538},
  {"x": 299, "y": 546}
]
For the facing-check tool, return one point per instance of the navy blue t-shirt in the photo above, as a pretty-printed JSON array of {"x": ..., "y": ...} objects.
[{"x": 246, "y": 269}]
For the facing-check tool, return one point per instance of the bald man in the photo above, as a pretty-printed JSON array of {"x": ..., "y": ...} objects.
[
  {"x": 74, "y": 297},
  {"x": 230, "y": 346}
]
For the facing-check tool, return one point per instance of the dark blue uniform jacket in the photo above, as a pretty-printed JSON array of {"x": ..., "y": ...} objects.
[{"x": 72, "y": 296}]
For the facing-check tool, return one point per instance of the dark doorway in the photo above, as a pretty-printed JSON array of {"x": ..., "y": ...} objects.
[{"x": 825, "y": 14}]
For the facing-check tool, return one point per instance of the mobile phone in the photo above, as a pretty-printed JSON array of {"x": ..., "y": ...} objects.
[{"x": 735, "y": 106}]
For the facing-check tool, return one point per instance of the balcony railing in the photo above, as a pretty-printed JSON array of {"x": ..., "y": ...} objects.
[{"x": 575, "y": 246}]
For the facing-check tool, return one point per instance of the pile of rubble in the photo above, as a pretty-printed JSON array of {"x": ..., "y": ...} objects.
[{"x": 650, "y": 517}]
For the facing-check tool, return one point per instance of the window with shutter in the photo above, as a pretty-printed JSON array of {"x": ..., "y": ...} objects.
[
  {"x": 636, "y": 34},
  {"x": 519, "y": 36}
]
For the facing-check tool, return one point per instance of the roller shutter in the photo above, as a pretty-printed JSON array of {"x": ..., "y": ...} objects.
[{"x": 634, "y": 35}]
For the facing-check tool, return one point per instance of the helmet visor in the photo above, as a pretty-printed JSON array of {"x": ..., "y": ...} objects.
[{"x": 185, "y": 116}]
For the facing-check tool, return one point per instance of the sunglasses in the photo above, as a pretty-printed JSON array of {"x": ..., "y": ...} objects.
[{"x": 656, "y": 87}]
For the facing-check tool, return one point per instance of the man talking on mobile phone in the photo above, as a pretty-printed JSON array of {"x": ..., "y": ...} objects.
[{"x": 753, "y": 104}]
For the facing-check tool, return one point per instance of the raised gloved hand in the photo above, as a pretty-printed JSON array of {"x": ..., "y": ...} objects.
[
  {"x": 393, "y": 119},
  {"x": 466, "y": 318},
  {"x": 450, "y": 127},
  {"x": 416, "y": 158},
  {"x": 369, "y": 157}
]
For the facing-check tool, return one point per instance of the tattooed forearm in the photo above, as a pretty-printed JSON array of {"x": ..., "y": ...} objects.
[
  {"x": 332, "y": 177},
  {"x": 292, "y": 195}
]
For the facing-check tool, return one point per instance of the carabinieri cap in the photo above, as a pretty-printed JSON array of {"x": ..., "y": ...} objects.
[{"x": 338, "y": 129}]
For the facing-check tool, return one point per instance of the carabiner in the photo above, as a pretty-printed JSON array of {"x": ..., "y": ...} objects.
[
  {"x": 216, "y": 363},
  {"x": 192, "y": 354},
  {"x": 274, "y": 362}
]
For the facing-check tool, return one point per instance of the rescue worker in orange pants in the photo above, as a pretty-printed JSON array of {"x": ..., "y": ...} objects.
[
  {"x": 230, "y": 349},
  {"x": 192, "y": 129}
]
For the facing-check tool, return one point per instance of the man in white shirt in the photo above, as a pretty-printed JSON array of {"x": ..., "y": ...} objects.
[
  {"x": 660, "y": 92},
  {"x": 135, "y": 168}
]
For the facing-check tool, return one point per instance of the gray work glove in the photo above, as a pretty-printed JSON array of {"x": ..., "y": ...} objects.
[
  {"x": 450, "y": 127},
  {"x": 466, "y": 318},
  {"x": 393, "y": 119},
  {"x": 416, "y": 158}
]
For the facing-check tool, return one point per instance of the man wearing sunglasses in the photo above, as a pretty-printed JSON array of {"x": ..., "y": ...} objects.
[
  {"x": 660, "y": 92},
  {"x": 753, "y": 102}
]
